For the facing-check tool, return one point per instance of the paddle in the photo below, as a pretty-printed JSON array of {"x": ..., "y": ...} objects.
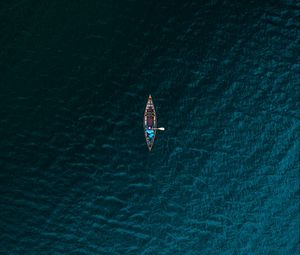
[{"x": 160, "y": 128}]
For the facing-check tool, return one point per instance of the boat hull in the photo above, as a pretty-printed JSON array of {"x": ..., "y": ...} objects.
[{"x": 150, "y": 121}]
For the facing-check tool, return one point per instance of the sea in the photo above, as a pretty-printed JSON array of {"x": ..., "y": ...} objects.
[{"x": 76, "y": 176}]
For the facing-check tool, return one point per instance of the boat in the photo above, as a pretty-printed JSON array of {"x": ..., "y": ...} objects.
[{"x": 150, "y": 122}]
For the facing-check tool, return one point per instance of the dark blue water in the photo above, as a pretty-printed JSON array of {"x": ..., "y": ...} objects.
[{"x": 76, "y": 176}]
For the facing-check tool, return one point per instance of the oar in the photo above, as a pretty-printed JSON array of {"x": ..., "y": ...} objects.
[{"x": 160, "y": 128}]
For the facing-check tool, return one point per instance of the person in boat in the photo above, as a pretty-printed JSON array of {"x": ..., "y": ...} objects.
[{"x": 150, "y": 132}]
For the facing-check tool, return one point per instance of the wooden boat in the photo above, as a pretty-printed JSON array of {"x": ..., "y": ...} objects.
[{"x": 150, "y": 121}]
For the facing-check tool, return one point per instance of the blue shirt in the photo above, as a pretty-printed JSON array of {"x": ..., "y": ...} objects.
[{"x": 150, "y": 132}]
